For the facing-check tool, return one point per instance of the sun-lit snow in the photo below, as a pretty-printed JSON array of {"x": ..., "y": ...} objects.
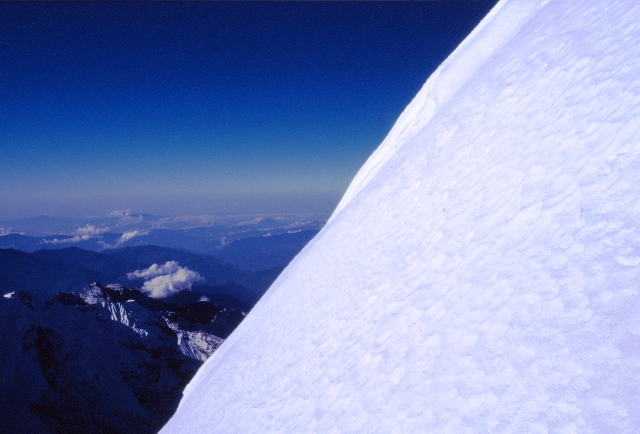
[
  {"x": 481, "y": 274},
  {"x": 495, "y": 30}
]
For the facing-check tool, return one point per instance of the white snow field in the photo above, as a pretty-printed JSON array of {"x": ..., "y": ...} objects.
[{"x": 482, "y": 272}]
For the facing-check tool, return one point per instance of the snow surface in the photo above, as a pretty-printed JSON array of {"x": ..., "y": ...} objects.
[{"x": 481, "y": 274}]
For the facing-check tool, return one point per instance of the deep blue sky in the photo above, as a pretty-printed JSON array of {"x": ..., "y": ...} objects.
[{"x": 185, "y": 107}]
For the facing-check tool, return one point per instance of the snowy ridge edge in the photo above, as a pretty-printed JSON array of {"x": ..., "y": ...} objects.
[{"x": 473, "y": 52}]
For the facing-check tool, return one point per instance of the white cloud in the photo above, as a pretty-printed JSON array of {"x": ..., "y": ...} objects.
[
  {"x": 91, "y": 230},
  {"x": 123, "y": 239},
  {"x": 74, "y": 239},
  {"x": 164, "y": 280},
  {"x": 124, "y": 218},
  {"x": 81, "y": 234},
  {"x": 129, "y": 235},
  {"x": 119, "y": 213},
  {"x": 4, "y": 231},
  {"x": 155, "y": 270}
]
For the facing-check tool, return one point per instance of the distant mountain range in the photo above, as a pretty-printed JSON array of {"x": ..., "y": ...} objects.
[
  {"x": 199, "y": 234},
  {"x": 252, "y": 249},
  {"x": 216, "y": 226},
  {"x": 72, "y": 268},
  {"x": 264, "y": 252}
]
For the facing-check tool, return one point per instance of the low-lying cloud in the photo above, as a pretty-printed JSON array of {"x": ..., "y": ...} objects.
[
  {"x": 4, "y": 231},
  {"x": 129, "y": 235},
  {"x": 155, "y": 270},
  {"x": 91, "y": 230},
  {"x": 165, "y": 280},
  {"x": 119, "y": 213},
  {"x": 75, "y": 239},
  {"x": 81, "y": 234},
  {"x": 123, "y": 239}
]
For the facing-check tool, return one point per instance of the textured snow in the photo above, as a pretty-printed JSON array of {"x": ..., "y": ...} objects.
[
  {"x": 494, "y": 31},
  {"x": 481, "y": 274}
]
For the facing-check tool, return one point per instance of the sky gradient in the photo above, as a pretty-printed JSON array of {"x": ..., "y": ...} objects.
[{"x": 198, "y": 108}]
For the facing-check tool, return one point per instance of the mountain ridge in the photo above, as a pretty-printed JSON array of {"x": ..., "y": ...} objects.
[{"x": 106, "y": 359}]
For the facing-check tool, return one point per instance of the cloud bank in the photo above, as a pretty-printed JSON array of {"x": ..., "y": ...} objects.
[
  {"x": 75, "y": 239},
  {"x": 91, "y": 230},
  {"x": 165, "y": 280},
  {"x": 4, "y": 231},
  {"x": 81, "y": 234},
  {"x": 123, "y": 239},
  {"x": 129, "y": 235}
]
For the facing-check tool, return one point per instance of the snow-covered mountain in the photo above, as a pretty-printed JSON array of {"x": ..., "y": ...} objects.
[
  {"x": 481, "y": 273},
  {"x": 106, "y": 360}
]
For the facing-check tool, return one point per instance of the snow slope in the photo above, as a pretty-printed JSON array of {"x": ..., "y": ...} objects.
[{"x": 481, "y": 274}]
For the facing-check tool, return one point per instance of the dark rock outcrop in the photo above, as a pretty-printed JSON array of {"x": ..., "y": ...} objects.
[{"x": 105, "y": 360}]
